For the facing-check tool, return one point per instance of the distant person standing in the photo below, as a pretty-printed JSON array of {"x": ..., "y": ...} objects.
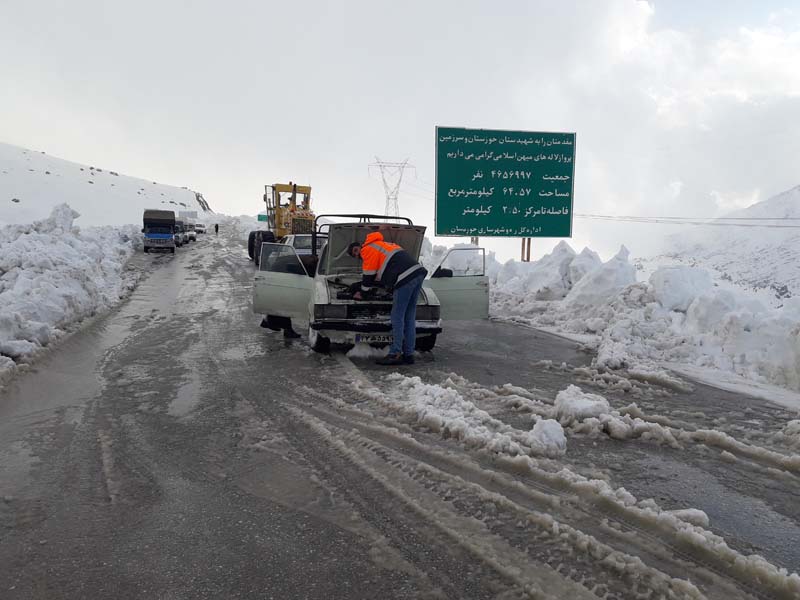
[{"x": 216, "y": 228}]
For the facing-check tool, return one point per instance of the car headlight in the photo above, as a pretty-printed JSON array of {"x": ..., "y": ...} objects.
[{"x": 330, "y": 311}]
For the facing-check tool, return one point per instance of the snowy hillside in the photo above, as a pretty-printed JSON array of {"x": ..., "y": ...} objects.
[
  {"x": 759, "y": 258},
  {"x": 33, "y": 183}
]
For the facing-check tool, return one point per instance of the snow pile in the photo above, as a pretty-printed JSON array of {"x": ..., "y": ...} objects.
[
  {"x": 52, "y": 274},
  {"x": 444, "y": 410},
  {"x": 680, "y": 315},
  {"x": 545, "y": 279},
  {"x": 674, "y": 288},
  {"x": 33, "y": 183},
  {"x": 602, "y": 284}
]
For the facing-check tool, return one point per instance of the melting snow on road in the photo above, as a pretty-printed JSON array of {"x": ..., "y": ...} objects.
[{"x": 444, "y": 410}]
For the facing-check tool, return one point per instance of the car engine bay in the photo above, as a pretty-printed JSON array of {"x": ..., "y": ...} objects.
[{"x": 342, "y": 290}]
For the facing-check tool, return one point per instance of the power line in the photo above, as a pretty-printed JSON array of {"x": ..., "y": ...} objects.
[
  {"x": 696, "y": 218},
  {"x": 671, "y": 220},
  {"x": 688, "y": 221},
  {"x": 392, "y": 176}
]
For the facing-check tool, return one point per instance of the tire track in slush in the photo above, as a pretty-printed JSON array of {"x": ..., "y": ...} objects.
[{"x": 751, "y": 577}]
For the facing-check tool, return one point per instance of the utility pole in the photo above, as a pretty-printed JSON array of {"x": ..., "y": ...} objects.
[{"x": 392, "y": 175}]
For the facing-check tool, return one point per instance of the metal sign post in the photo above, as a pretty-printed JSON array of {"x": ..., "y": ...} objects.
[{"x": 504, "y": 183}]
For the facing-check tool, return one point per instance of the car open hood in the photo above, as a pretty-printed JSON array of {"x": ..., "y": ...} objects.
[{"x": 341, "y": 235}]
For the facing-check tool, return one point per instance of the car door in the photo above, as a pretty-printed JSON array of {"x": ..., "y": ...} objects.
[
  {"x": 281, "y": 287},
  {"x": 461, "y": 284}
]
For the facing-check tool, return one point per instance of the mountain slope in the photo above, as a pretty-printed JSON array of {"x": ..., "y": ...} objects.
[
  {"x": 759, "y": 258},
  {"x": 32, "y": 183}
]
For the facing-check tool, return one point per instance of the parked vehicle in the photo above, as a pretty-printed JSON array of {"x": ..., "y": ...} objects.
[
  {"x": 191, "y": 232},
  {"x": 301, "y": 242},
  {"x": 184, "y": 233},
  {"x": 158, "y": 229},
  {"x": 316, "y": 288},
  {"x": 200, "y": 227},
  {"x": 259, "y": 237}
]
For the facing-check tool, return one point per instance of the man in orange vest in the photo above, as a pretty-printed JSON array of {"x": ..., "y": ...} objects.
[{"x": 391, "y": 267}]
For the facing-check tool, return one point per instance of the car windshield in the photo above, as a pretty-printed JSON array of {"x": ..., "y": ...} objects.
[
  {"x": 157, "y": 229},
  {"x": 338, "y": 261},
  {"x": 303, "y": 242}
]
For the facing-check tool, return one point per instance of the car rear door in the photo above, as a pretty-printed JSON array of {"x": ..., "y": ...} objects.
[
  {"x": 281, "y": 287},
  {"x": 461, "y": 284}
]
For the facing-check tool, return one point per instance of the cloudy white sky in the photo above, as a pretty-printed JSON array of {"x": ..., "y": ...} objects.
[{"x": 681, "y": 107}]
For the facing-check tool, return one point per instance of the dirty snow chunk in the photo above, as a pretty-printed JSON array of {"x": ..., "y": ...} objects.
[
  {"x": 677, "y": 287},
  {"x": 573, "y": 404},
  {"x": 550, "y": 434},
  {"x": 611, "y": 355},
  {"x": 695, "y": 516},
  {"x": 362, "y": 350},
  {"x": 791, "y": 433},
  {"x": 444, "y": 410}
]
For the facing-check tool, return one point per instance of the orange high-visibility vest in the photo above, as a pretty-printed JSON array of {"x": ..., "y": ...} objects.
[{"x": 375, "y": 254}]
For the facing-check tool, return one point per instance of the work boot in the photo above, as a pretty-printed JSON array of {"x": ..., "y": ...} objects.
[
  {"x": 391, "y": 359},
  {"x": 408, "y": 359},
  {"x": 290, "y": 334}
]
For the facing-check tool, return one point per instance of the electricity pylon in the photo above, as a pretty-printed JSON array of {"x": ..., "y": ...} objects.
[{"x": 392, "y": 175}]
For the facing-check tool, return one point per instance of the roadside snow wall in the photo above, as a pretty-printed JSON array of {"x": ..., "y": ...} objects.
[{"x": 52, "y": 275}]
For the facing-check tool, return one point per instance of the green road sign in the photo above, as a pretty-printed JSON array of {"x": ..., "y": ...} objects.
[
  {"x": 504, "y": 183},
  {"x": 262, "y": 217}
]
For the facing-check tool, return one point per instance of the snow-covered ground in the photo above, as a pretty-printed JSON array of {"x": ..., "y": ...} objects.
[{"x": 66, "y": 234}]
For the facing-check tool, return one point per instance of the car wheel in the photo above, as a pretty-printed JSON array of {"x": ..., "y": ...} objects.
[
  {"x": 425, "y": 344},
  {"x": 146, "y": 249},
  {"x": 251, "y": 242},
  {"x": 318, "y": 343},
  {"x": 172, "y": 250}
]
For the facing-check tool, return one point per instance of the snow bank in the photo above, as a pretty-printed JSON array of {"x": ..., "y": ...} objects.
[
  {"x": 53, "y": 274},
  {"x": 680, "y": 315}
]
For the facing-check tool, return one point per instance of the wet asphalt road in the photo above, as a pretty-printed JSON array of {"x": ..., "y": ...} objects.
[{"x": 174, "y": 449}]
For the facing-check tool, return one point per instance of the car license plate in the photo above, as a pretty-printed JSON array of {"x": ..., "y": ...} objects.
[{"x": 369, "y": 338}]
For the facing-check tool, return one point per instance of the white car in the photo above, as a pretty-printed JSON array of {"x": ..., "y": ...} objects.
[
  {"x": 314, "y": 289},
  {"x": 200, "y": 227},
  {"x": 302, "y": 242},
  {"x": 190, "y": 229}
]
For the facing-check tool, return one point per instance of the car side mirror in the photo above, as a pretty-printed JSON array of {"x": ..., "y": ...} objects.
[{"x": 142, "y": 230}]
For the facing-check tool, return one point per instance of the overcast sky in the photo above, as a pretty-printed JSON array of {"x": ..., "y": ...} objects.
[{"x": 680, "y": 107}]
